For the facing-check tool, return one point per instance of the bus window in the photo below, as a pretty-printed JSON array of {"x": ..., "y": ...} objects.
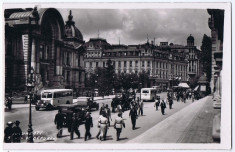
[
  {"x": 49, "y": 95},
  {"x": 145, "y": 91},
  {"x": 44, "y": 95}
]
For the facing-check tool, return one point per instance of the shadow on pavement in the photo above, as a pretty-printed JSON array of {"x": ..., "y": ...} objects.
[
  {"x": 137, "y": 128},
  {"x": 125, "y": 138},
  {"x": 109, "y": 138}
]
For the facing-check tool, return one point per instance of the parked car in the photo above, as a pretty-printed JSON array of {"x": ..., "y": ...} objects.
[
  {"x": 87, "y": 102},
  {"x": 69, "y": 109},
  {"x": 216, "y": 127}
]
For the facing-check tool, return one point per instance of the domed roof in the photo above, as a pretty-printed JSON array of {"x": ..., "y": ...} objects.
[
  {"x": 190, "y": 38},
  {"x": 71, "y": 31}
]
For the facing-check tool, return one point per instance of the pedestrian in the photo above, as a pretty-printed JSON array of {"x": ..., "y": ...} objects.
[
  {"x": 108, "y": 113},
  {"x": 17, "y": 132},
  {"x": 103, "y": 127},
  {"x": 163, "y": 106},
  {"x": 134, "y": 116},
  {"x": 59, "y": 120},
  {"x": 69, "y": 121},
  {"x": 141, "y": 106},
  {"x": 8, "y": 132},
  {"x": 157, "y": 102},
  {"x": 192, "y": 96},
  {"x": 75, "y": 126},
  {"x": 88, "y": 125},
  {"x": 102, "y": 109},
  {"x": 170, "y": 103},
  {"x": 98, "y": 125},
  {"x": 119, "y": 122},
  {"x": 119, "y": 108}
]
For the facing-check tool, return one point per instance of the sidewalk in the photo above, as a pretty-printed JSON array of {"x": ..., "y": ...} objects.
[{"x": 178, "y": 127}]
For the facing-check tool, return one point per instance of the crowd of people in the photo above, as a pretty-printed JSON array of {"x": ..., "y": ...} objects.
[{"x": 14, "y": 134}]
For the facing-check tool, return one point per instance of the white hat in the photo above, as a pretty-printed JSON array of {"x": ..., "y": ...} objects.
[{"x": 9, "y": 123}]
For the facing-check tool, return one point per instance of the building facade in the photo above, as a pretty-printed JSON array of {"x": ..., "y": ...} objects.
[
  {"x": 40, "y": 39},
  {"x": 216, "y": 24},
  {"x": 161, "y": 65}
]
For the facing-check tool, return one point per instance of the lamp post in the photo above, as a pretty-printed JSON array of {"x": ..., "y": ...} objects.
[
  {"x": 30, "y": 87},
  {"x": 140, "y": 84}
]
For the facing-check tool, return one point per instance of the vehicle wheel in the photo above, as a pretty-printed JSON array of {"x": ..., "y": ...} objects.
[
  {"x": 37, "y": 108},
  {"x": 67, "y": 102}
]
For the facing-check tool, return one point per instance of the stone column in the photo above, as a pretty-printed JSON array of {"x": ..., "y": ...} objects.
[{"x": 33, "y": 54}]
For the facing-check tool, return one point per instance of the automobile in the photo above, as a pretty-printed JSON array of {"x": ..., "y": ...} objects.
[
  {"x": 87, "y": 102},
  {"x": 216, "y": 127},
  {"x": 68, "y": 110},
  {"x": 217, "y": 103},
  {"x": 123, "y": 99}
]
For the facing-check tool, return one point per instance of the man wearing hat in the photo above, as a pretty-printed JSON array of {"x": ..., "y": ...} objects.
[
  {"x": 59, "y": 120},
  {"x": 8, "y": 132},
  {"x": 88, "y": 125},
  {"x": 119, "y": 122},
  {"x": 17, "y": 132}
]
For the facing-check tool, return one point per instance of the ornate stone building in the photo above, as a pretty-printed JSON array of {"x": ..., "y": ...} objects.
[
  {"x": 161, "y": 65},
  {"x": 216, "y": 24},
  {"x": 40, "y": 39}
]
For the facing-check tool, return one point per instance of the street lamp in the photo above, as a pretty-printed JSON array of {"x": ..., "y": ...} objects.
[
  {"x": 30, "y": 88},
  {"x": 140, "y": 84}
]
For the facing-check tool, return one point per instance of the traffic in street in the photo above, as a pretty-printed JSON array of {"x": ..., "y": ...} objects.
[{"x": 45, "y": 130}]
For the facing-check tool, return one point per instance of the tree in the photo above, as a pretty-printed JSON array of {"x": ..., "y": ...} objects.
[
  {"x": 206, "y": 56},
  {"x": 103, "y": 79},
  {"x": 144, "y": 78}
]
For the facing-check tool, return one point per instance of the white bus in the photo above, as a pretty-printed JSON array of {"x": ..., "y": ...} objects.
[
  {"x": 148, "y": 94},
  {"x": 54, "y": 97}
]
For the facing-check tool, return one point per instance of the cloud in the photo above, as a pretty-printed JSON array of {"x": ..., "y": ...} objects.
[{"x": 133, "y": 25}]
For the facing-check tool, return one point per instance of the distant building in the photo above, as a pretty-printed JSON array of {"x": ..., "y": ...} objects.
[
  {"x": 39, "y": 39},
  {"x": 216, "y": 24},
  {"x": 161, "y": 65}
]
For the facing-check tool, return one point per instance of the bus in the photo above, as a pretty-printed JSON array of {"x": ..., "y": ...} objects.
[
  {"x": 53, "y": 97},
  {"x": 148, "y": 94}
]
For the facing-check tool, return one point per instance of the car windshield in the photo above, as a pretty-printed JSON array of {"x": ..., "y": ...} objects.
[
  {"x": 47, "y": 95},
  {"x": 145, "y": 91}
]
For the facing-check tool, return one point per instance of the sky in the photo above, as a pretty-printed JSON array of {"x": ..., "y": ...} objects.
[{"x": 133, "y": 26}]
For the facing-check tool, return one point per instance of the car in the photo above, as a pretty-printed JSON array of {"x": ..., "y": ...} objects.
[
  {"x": 68, "y": 110},
  {"x": 87, "y": 102},
  {"x": 216, "y": 127},
  {"x": 123, "y": 99}
]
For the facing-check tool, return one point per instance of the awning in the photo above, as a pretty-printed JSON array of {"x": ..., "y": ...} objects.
[
  {"x": 195, "y": 89},
  {"x": 183, "y": 85}
]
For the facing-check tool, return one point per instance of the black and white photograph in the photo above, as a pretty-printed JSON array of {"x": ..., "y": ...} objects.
[{"x": 116, "y": 76}]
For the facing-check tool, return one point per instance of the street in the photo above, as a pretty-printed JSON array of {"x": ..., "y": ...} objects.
[{"x": 45, "y": 129}]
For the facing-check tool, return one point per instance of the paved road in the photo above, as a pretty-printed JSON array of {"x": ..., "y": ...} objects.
[{"x": 45, "y": 130}]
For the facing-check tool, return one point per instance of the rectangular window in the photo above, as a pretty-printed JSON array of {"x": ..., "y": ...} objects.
[
  {"x": 68, "y": 76},
  {"x": 68, "y": 59},
  {"x": 79, "y": 77},
  {"x": 103, "y": 64},
  {"x": 119, "y": 63},
  {"x": 148, "y": 64},
  {"x": 136, "y": 72},
  {"x": 90, "y": 64},
  {"x": 124, "y": 63},
  {"x": 136, "y": 63},
  {"x": 130, "y": 63},
  {"x": 78, "y": 60},
  {"x": 142, "y": 63},
  {"x": 96, "y": 64}
]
